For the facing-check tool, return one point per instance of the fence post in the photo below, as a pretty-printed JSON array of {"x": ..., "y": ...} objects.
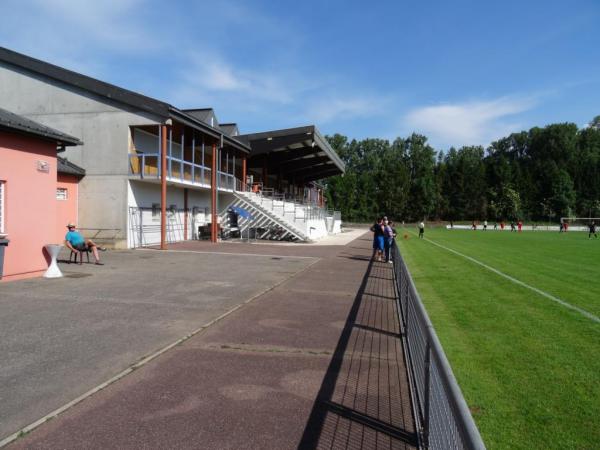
[
  {"x": 404, "y": 304},
  {"x": 406, "y": 286},
  {"x": 141, "y": 221},
  {"x": 427, "y": 381}
]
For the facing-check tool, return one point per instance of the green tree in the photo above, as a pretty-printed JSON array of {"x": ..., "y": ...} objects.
[
  {"x": 563, "y": 195},
  {"x": 420, "y": 160}
]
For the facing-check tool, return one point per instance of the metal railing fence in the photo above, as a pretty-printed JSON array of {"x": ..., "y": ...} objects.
[
  {"x": 148, "y": 165},
  {"x": 443, "y": 418},
  {"x": 301, "y": 210}
]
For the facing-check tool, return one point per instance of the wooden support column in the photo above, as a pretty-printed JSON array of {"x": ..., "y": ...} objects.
[
  {"x": 163, "y": 187},
  {"x": 185, "y": 214},
  {"x": 213, "y": 190}
]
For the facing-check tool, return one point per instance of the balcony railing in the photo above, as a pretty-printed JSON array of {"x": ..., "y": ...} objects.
[{"x": 147, "y": 165}]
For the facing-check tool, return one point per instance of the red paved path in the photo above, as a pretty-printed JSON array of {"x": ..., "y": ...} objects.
[{"x": 314, "y": 363}]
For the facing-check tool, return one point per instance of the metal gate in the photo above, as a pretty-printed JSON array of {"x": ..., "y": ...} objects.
[{"x": 144, "y": 226}]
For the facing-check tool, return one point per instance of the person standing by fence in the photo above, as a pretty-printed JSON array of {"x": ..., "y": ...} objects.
[
  {"x": 378, "y": 240},
  {"x": 388, "y": 238}
]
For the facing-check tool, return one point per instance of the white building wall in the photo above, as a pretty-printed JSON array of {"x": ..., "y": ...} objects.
[
  {"x": 316, "y": 228},
  {"x": 337, "y": 226},
  {"x": 144, "y": 220}
]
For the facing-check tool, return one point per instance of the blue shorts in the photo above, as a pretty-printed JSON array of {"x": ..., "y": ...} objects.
[{"x": 378, "y": 243}]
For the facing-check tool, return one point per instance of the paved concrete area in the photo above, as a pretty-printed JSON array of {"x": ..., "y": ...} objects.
[
  {"x": 61, "y": 337},
  {"x": 316, "y": 362}
]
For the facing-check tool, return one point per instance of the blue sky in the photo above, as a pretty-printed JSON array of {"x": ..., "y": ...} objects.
[{"x": 460, "y": 72}]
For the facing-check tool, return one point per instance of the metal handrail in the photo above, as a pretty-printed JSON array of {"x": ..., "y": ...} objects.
[
  {"x": 176, "y": 169},
  {"x": 442, "y": 414},
  {"x": 302, "y": 209}
]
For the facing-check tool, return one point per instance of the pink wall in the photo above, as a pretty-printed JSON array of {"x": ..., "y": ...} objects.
[
  {"x": 66, "y": 210},
  {"x": 30, "y": 203}
]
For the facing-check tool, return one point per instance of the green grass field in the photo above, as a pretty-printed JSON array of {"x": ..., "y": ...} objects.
[{"x": 529, "y": 367}]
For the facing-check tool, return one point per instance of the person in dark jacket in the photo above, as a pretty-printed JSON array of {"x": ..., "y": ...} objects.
[
  {"x": 592, "y": 227},
  {"x": 378, "y": 239}
]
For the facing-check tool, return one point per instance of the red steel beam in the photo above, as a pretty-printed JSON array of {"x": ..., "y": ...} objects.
[
  {"x": 213, "y": 191},
  {"x": 163, "y": 187}
]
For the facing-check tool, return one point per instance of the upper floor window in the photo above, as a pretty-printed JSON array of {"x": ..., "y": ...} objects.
[{"x": 61, "y": 194}]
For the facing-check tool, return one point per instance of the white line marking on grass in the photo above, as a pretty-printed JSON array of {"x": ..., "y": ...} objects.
[{"x": 581, "y": 311}]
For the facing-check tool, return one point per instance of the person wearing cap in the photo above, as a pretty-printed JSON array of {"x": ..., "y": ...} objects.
[{"x": 76, "y": 242}]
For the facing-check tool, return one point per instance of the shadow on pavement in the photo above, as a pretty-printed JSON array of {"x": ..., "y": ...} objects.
[{"x": 364, "y": 399}]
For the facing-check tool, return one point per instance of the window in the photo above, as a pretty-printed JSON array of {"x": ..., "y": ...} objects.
[
  {"x": 61, "y": 194},
  {"x": 2, "y": 183}
]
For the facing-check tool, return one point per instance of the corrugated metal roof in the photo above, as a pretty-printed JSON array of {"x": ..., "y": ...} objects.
[
  {"x": 230, "y": 129},
  {"x": 14, "y": 122},
  {"x": 84, "y": 82},
  {"x": 205, "y": 115},
  {"x": 66, "y": 166},
  {"x": 292, "y": 142}
]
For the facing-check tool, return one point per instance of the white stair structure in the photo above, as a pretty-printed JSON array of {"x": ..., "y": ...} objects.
[{"x": 277, "y": 218}]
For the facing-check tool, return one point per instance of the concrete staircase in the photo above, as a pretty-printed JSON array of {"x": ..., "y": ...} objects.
[{"x": 272, "y": 216}]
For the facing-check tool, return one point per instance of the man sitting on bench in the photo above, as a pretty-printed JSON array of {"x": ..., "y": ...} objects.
[{"x": 77, "y": 243}]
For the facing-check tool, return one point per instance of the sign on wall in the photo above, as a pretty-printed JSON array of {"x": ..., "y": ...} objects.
[{"x": 43, "y": 166}]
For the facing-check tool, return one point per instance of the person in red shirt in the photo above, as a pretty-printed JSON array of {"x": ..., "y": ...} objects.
[{"x": 520, "y": 225}]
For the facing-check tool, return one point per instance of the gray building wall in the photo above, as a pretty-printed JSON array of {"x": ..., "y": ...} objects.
[{"x": 102, "y": 125}]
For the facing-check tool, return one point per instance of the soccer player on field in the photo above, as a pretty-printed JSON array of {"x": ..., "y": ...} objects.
[{"x": 592, "y": 227}]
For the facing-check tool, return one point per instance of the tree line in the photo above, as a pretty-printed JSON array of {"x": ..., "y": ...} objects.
[{"x": 541, "y": 174}]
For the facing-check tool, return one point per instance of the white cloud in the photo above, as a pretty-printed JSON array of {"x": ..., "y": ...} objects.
[
  {"x": 469, "y": 123},
  {"x": 251, "y": 67},
  {"x": 332, "y": 108},
  {"x": 290, "y": 97},
  {"x": 208, "y": 76},
  {"x": 76, "y": 27},
  {"x": 221, "y": 77}
]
